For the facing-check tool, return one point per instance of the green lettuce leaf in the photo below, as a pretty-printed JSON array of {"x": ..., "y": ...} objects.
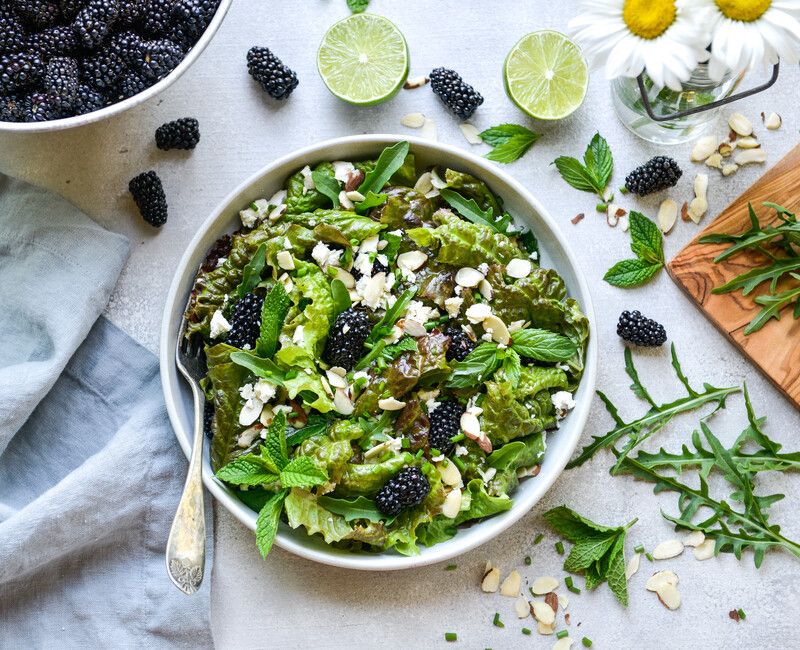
[
  {"x": 299, "y": 200},
  {"x": 438, "y": 530},
  {"x": 517, "y": 454},
  {"x": 481, "y": 504},
  {"x": 351, "y": 225},
  {"x": 512, "y": 302},
  {"x": 368, "y": 478},
  {"x": 473, "y": 188},
  {"x": 509, "y": 413},
  {"x": 330, "y": 456},
  {"x": 404, "y": 208},
  {"x": 225, "y": 378}
]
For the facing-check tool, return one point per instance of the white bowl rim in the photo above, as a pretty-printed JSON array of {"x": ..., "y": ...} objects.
[
  {"x": 139, "y": 98},
  {"x": 440, "y": 552}
]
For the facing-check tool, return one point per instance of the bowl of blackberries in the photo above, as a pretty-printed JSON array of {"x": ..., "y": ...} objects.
[{"x": 64, "y": 63}]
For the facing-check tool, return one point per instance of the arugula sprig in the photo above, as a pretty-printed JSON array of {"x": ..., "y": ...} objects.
[
  {"x": 390, "y": 160},
  {"x": 598, "y": 552},
  {"x": 647, "y": 243},
  {"x": 272, "y": 468},
  {"x": 251, "y": 274},
  {"x": 656, "y": 418},
  {"x": 509, "y": 142},
  {"x": 480, "y": 364},
  {"x": 593, "y": 174},
  {"x": 471, "y": 211}
]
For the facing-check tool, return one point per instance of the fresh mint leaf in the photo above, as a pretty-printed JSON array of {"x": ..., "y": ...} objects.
[
  {"x": 301, "y": 472},
  {"x": 476, "y": 367},
  {"x": 542, "y": 345},
  {"x": 512, "y": 366},
  {"x": 631, "y": 273},
  {"x": 576, "y": 174},
  {"x": 406, "y": 344},
  {"x": 267, "y": 522},
  {"x": 275, "y": 443},
  {"x": 587, "y": 551},
  {"x": 317, "y": 425},
  {"x": 265, "y": 368},
  {"x": 599, "y": 160},
  {"x": 357, "y": 6},
  {"x": 351, "y": 509},
  {"x": 572, "y": 526},
  {"x": 647, "y": 241},
  {"x": 509, "y": 142},
  {"x": 247, "y": 470},
  {"x": 371, "y": 200},
  {"x": 327, "y": 185},
  {"x": 341, "y": 297},
  {"x": 496, "y": 135},
  {"x": 273, "y": 312},
  {"x": 251, "y": 274},
  {"x": 468, "y": 208},
  {"x": 390, "y": 160}
]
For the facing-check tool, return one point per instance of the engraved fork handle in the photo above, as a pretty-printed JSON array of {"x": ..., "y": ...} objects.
[{"x": 186, "y": 546}]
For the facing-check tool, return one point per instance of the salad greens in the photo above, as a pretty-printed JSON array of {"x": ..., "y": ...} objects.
[{"x": 312, "y": 444}]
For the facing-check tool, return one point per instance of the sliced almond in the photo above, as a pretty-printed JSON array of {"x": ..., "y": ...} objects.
[
  {"x": 470, "y": 133},
  {"x": 565, "y": 643},
  {"x": 669, "y": 596},
  {"x": 660, "y": 578},
  {"x": 354, "y": 196},
  {"x": 491, "y": 581},
  {"x": 685, "y": 211},
  {"x": 632, "y": 566},
  {"x": 452, "y": 504},
  {"x": 563, "y": 601},
  {"x": 544, "y": 629},
  {"x": 725, "y": 149},
  {"x": 729, "y": 169},
  {"x": 518, "y": 268},
  {"x": 416, "y": 82},
  {"x": 412, "y": 260},
  {"x": 740, "y": 124},
  {"x": 544, "y": 585},
  {"x": 414, "y": 328},
  {"x": 704, "y": 551},
  {"x": 704, "y": 147},
  {"x": 747, "y": 143},
  {"x": 577, "y": 218},
  {"x": 750, "y": 156},
  {"x": 423, "y": 184},
  {"x": 714, "y": 160},
  {"x": 668, "y": 549},
  {"x": 413, "y": 120},
  {"x": 624, "y": 224},
  {"x": 390, "y": 404},
  {"x": 470, "y": 424},
  {"x": 773, "y": 121},
  {"x": 522, "y": 607},
  {"x": 468, "y": 277},
  {"x": 335, "y": 379},
  {"x": 342, "y": 403},
  {"x": 552, "y": 600},
  {"x": 429, "y": 130},
  {"x": 542, "y": 612},
  {"x": 285, "y": 260},
  {"x": 449, "y": 473},
  {"x": 695, "y": 538},
  {"x": 345, "y": 278},
  {"x": 667, "y": 215},
  {"x": 511, "y": 585},
  {"x": 485, "y": 288},
  {"x": 497, "y": 328},
  {"x": 612, "y": 218}
]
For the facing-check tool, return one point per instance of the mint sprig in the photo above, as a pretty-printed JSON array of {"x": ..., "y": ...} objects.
[
  {"x": 357, "y": 6},
  {"x": 509, "y": 141},
  {"x": 647, "y": 243},
  {"x": 593, "y": 174}
]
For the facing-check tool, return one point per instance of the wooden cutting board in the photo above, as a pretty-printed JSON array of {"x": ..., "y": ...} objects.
[{"x": 775, "y": 348}]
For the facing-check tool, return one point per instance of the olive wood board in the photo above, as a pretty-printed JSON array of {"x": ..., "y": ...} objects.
[{"x": 775, "y": 348}]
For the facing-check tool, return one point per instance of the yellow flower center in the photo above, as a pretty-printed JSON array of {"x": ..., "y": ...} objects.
[
  {"x": 650, "y": 18},
  {"x": 745, "y": 10}
]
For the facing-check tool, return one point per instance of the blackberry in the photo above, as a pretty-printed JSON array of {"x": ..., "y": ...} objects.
[
  {"x": 19, "y": 70},
  {"x": 193, "y": 16},
  {"x": 636, "y": 329},
  {"x": 70, "y": 8},
  {"x": 127, "y": 47},
  {"x": 61, "y": 81},
  {"x": 178, "y": 134},
  {"x": 379, "y": 267},
  {"x": 159, "y": 58},
  {"x": 37, "y": 14},
  {"x": 346, "y": 339},
  {"x": 104, "y": 69},
  {"x": 41, "y": 107},
  {"x": 460, "y": 344},
  {"x": 130, "y": 12},
  {"x": 408, "y": 488},
  {"x": 94, "y": 22},
  {"x": 659, "y": 173},
  {"x": 156, "y": 17},
  {"x": 268, "y": 70},
  {"x": 11, "y": 109},
  {"x": 208, "y": 419},
  {"x": 56, "y": 41},
  {"x": 88, "y": 100},
  {"x": 246, "y": 322},
  {"x": 461, "y": 98},
  {"x": 131, "y": 83},
  {"x": 12, "y": 34},
  {"x": 221, "y": 248},
  {"x": 148, "y": 194},
  {"x": 445, "y": 422}
]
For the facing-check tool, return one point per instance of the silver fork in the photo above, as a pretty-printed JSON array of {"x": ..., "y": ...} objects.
[{"x": 186, "y": 546}]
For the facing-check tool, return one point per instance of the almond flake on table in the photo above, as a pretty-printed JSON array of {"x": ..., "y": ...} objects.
[
  {"x": 668, "y": 549},
  {"x": 542, "y": 612},
  {"x": 695, "y": 538},
  {"x": 413, "y": 120},
  {"x": 511, "y": 585},
  {"x": 544, "y": 585},
  {"x": 491, "y": 580},
  {"x": 633, "y": 565},
  {"x": 704, "y": 551},
  {"x": 470, "y": 133},
  {"x": 522, "y": 607}
]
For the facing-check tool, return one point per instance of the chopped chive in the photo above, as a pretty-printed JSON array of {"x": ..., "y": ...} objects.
[
  {"x": 601, "y": 207},
  {"x": 496, "y": 620},
  {"x": 538, "y": 538},
  {"x": 420, "y": 452},
  {"x": 639, "y": 548},
  {"x": 741, "y": 613},
  {"x": 587, "y": 642},
  {"x": 435, "y": 452},
  {"x": 568, "y": 582},
  {"x": 622, "y": 190},
  {"x": 560, "y": 548},
  {"x": 430, "y": 326},
  {"x": 561, "y": 634},
  {"x": 451, "y": 567},
  {"x": 450, "y": 636},
  {"x": 527, "y": 560},
  {"x": 526, "y": 631},
  {"x": 610, "y": 198},
  {"x": 648, "y": 556},
  {"x": 457, "y": 438},
  {"x": 460, "y": 464},
  {"x": 405, "y": 443},
  {"x": 427, "y": 468}
]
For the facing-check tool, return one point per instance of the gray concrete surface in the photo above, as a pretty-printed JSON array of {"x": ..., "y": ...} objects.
[{"x": 288, "y": 602}]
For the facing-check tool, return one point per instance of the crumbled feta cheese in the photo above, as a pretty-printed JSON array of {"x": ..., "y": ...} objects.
[
  {"x": 395, "y": 336},
  {"x": 483, "y": 267},
  {"x": 287, "y": 244},
  {"x": 308, "y": 181},
  {"x": 361, "y": 374},
  {"x": 512, "y": 229},
  {"x": 534, "y": 256},
  {"x": 264, "y": 390},
  {"x": 461, "y": 450},
  {"x": 562, "y": 366},
  {"x": 249, "y": 217},
  {"x": 371, "y": 289},
  {"x": 286, "y": 280},
  {"x": 453, "y": 306},
  {"x": 363, "y": 264},
  {"x": 486, "y": 336},
  {"x": 563, "y": 402},
  {"x": 219, "y": 325},
  {"x": 516, "y": 326},
  {"x": 432, "y": 405},
  {"x": 279, "y": 198},
  {"x": 487, "y": 475},
  {"x": 326, "y": 256},
  {"x": 478, "y": 312},
  {"x": 342, "y": 170},
  {"x": 420, "y": 312},
  {"x": 220, "y": 262}
]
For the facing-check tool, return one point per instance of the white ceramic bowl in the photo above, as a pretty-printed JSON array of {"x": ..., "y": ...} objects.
[
  {"x": 130, "y": 102},
  {"x": 555, "y": 254}
]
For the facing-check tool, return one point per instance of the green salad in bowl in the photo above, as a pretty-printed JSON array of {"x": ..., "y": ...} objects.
[{"x": 385, "y": 356}]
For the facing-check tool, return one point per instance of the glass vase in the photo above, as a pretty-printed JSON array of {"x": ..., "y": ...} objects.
[{"x": 699, "y": 90}]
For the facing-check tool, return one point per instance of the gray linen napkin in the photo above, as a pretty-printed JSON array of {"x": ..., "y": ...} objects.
[{"x": 90, "y": 472}]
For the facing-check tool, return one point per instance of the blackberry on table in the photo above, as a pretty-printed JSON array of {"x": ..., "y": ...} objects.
[
  {"x": 61, "y": 80},
  {"x": 19, "y": 70},
  {"x": 183, "y": 133},
  {"x": 159, "y": 58},
  {"x": 246, "y": 322},
  {"x": 639, "y": 330},
  {"x": 445, "y": 422},
  {"x": 408, "y": 488},
  {"x": 93, "y": 23},
  {"x": 657, "y": 174},
  {"x": 148, "y": 194},
  {"x": 461, "y": 98},
  {"x": 460, "y": 344},
  {"x": 346, "y": 338},
  {"x": 55, "y": 41},
  {"x": 268, "y": 70}
]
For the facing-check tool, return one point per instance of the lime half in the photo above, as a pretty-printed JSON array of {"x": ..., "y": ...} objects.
[
  {"x": 546, "y": 75},
  {"x": 363, "y": 59}
]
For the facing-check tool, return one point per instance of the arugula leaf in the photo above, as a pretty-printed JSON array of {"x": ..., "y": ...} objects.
[
  {"x": 542, "y": 345},
  {"x": 631, "y": 273},
  {"x": 302, "y": 472},
  {"x": 384, "y": 326},
  {"x": 251, "y": 274},
  {"x": 273, "y": 313},
  {"x": 510, "y": 142},
  {"x": 267, "y": 522},
  {"x": 327, "y": 185},
  {"x": 317, "y": 425},
  {"x": 598, "y": 551},
  {"x": 390, "y": 160},
  {"x": 468, "y": 208},
  {"x": 476, "y": 367},
  {"x": 594, "y": 173},
  {"x": 265, "y": 368},
  {"x": 772, "y": 305},
  {"x": 359, "y": 507},
  {"x": 341, "y": 297},
  {"x": 371, "y": 200},
  {"x": 357, "y": 6},
  {"x": 647, "y": 244}
]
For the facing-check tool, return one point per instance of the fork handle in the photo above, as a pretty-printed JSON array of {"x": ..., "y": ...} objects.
[{"x": 186, "y": 546}]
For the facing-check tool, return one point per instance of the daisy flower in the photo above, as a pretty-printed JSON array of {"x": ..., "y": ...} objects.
[
  {"x": 747, "y": 33},
  {"x": 663, "y": 37}
]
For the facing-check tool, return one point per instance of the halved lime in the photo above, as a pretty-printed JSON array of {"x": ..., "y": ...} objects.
[
  {"x": 546, "y": 75},
  {"x": 363, "y": 59}
]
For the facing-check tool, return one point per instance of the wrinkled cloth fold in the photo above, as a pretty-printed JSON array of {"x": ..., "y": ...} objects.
[{"x": 90, "y": 472}]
